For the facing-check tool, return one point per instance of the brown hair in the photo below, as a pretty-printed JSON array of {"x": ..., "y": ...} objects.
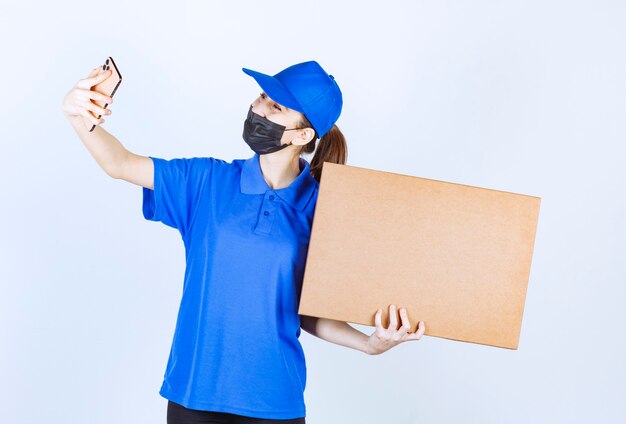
[{"x": 332, "y": 147}]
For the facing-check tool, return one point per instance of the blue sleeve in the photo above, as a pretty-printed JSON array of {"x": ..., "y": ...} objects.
[{"x": 178, "y": 187}]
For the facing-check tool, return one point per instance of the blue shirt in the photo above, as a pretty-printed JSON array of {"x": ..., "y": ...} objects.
[{"x": 236, "y": 345}]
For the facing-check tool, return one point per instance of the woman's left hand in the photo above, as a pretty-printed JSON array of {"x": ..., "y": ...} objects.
[{"x": 384, "y": 339}]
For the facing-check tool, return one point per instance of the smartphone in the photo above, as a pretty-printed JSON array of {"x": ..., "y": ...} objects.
[{"x": 108, "y": 86}]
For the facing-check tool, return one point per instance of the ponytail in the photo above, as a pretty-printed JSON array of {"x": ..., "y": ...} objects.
[{"x": 332, "y": 147}]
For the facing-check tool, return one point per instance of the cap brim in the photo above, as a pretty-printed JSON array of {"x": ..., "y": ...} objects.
[{"x": 274, "y": 89}]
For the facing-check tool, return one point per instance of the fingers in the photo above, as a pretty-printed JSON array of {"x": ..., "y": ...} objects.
[
  {"x": 420, "y": 329},
  {"x": 80, "y": 100},
  {"x": 393, "y": 319},
  {"x": 419, "y": 333},
  {"x": 86, "y": 100},
  {"x": 406, "y": 325},
  {"x": 98, "y": 96},
  {"x": 402, "y": 333},
  {"x": 377, "y": 318},
  {"x": 94, "y": 78},
  {"x": 97, "y": 110},
  {"x": 93, "y": 72},
  {"x": 100, "y": 77},
  {"x": 393, "y": 332},
  {"x": 89, "y": 116}
]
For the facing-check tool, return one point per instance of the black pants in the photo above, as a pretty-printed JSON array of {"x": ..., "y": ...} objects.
[{"x": 178, "y": 414}]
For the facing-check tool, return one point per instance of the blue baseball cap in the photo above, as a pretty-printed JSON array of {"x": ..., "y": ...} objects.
[{"x": 307, "y": 88}]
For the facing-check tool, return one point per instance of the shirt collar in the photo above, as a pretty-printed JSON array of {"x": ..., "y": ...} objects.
[{"x": 297, "y": 194}]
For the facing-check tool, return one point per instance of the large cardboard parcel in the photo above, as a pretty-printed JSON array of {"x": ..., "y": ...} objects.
[{"x": 456, "y": 256}]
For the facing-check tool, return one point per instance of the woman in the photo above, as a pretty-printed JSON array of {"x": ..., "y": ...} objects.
[{"x": 235, "y": 356}]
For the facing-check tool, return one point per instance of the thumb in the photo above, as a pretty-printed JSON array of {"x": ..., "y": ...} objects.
[
  {"x": 87, "y": 82},
  {"x": 93, "y": 72},
  {"x": 94, "y": 78}
]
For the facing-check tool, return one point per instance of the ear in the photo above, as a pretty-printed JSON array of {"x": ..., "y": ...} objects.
[{"x": 305, "y": 135}]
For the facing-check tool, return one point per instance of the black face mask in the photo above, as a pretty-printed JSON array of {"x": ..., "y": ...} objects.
[{"x": 262, "y": 135}]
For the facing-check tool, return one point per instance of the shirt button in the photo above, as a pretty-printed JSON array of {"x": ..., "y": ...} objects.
[
  {"x": 271, "y": 197},
  {"x": 266, "y": 213}
]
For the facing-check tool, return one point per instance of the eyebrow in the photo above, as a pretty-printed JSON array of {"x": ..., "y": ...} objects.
[{"x": 286, "y": 108}]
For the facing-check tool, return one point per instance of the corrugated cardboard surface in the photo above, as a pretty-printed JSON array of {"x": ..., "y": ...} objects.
[{"x": 456, "y": 256}]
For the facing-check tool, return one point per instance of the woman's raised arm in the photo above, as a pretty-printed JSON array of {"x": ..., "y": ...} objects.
[{"x": 109, "y": 153}]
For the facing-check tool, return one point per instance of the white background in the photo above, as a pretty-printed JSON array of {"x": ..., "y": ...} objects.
[{"x": 522, "y": 96}]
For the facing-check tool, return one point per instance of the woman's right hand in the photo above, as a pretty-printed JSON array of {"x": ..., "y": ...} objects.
[{"x": 78, "y": 101}]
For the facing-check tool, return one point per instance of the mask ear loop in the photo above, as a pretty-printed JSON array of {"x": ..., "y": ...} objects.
[
  {"x": 290, "y": 129},
  {"x": 315, "y": 137},
  {"x": 290, "y": 143}
]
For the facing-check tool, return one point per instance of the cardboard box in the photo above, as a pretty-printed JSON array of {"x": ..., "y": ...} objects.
[{"x": 456, "y": 256}]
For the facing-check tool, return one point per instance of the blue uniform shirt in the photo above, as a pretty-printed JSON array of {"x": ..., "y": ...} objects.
[{"x": 236, "y": 348}]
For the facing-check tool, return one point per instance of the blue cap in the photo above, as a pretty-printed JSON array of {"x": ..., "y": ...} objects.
[{"x": 307, "y": 88}]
